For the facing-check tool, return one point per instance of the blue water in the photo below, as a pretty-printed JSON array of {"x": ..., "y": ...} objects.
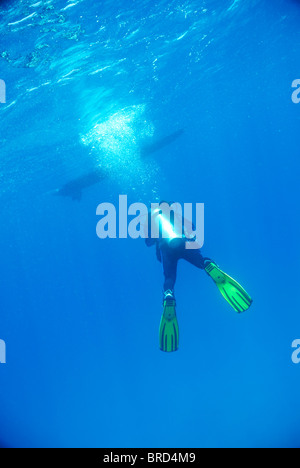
[{"x": 87, "y": 84}]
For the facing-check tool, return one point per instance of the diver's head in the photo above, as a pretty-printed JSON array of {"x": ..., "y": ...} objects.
[
  {"x": 162, "y": 203},
  {"x": 170, "y": 203}
]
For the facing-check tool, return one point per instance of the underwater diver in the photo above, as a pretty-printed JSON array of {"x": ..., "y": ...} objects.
[
  {"x": 74, "y": 188},
  {"x": 170, "y": 248}
]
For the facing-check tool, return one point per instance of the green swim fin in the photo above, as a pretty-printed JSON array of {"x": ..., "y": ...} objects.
[
  {"x": 232, "y": 291},
  {"x": 169, "y": 330}
]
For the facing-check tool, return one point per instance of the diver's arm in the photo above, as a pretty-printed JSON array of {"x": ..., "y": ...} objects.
[
  {"x": 158, "y": 252},
  {"x": 150, "y": 242}
]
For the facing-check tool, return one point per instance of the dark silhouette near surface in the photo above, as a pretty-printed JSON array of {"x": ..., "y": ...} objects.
[
  {"x": 162, "y": 143},
  {"x": 75, "y": 188}
]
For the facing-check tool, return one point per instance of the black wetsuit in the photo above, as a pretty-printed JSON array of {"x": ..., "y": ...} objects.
[{"x": 170, "y": 256}]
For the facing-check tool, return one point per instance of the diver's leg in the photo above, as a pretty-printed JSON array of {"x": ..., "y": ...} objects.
[
  {"x": 194, "y": 257},
  {"x": 169, "y": 329},
  {"x": 230, "y": 289},
  {"x": 170, "y": 262}
]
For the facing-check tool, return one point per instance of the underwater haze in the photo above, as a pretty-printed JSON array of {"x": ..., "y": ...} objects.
[{"x": 88, "y": 86}]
